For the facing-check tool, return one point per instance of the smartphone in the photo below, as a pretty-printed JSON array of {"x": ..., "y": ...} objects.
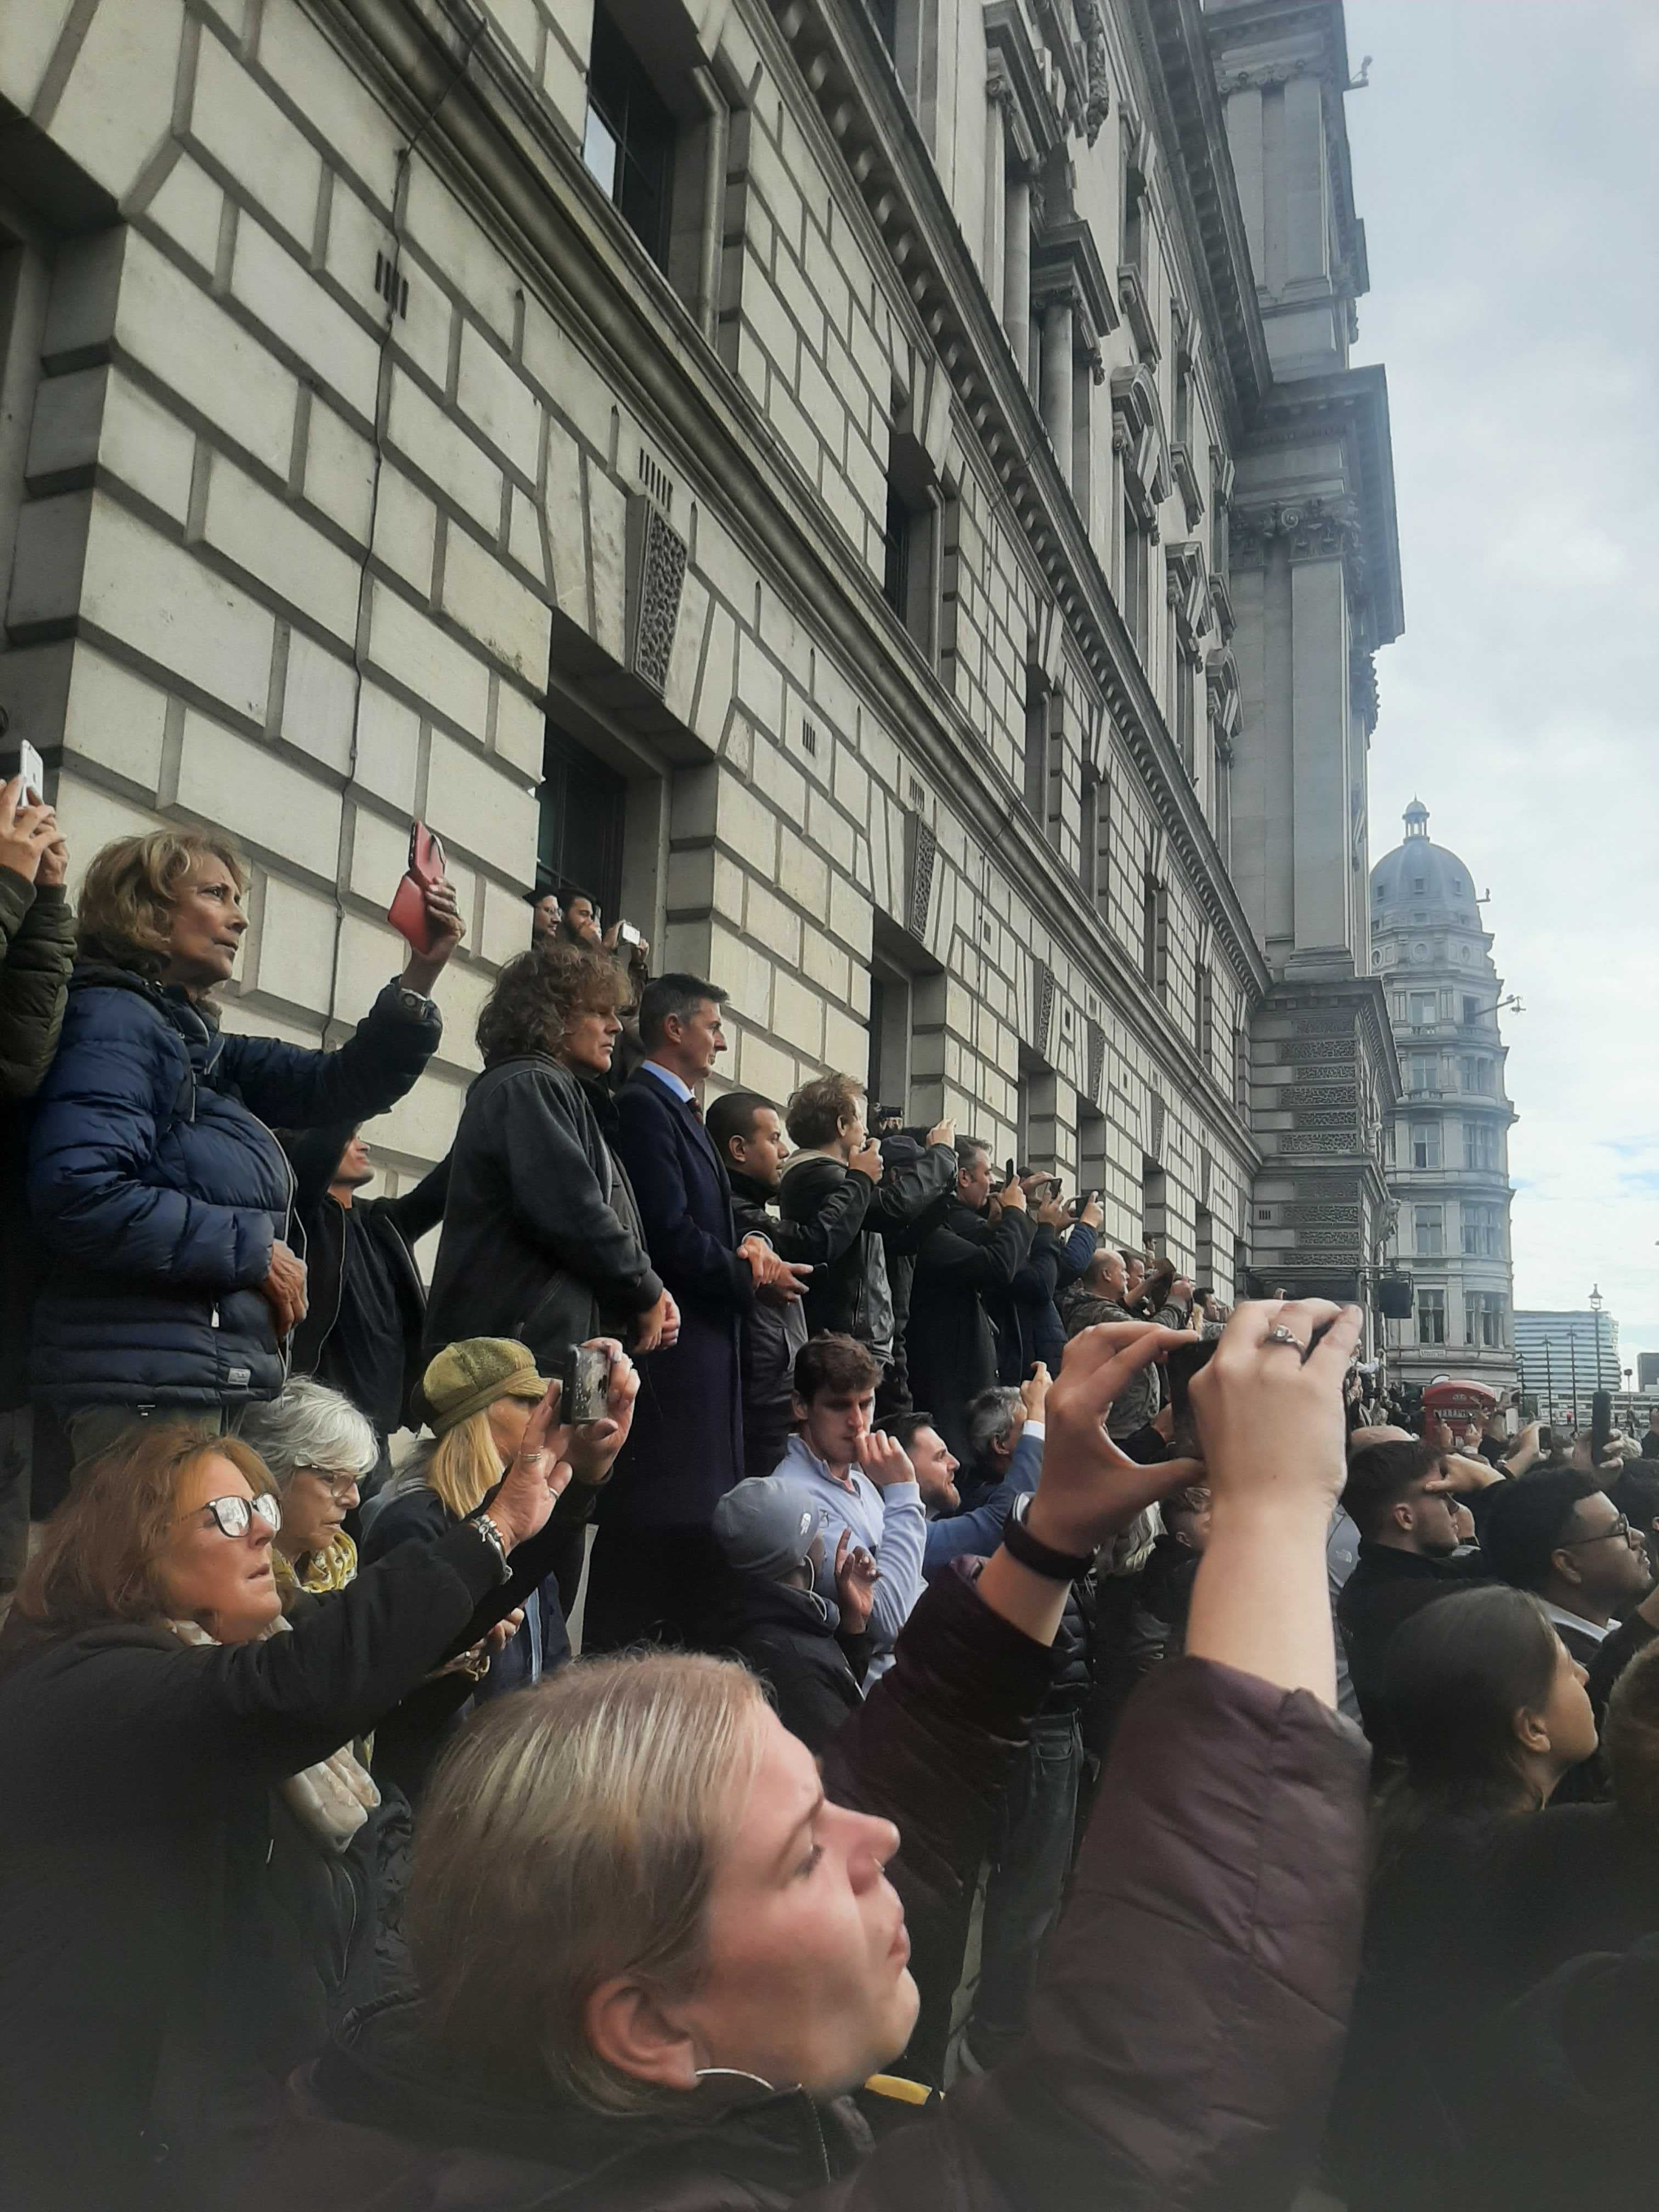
[
  {"x": 407, "y": 913},
  {"x": 1056, "y": 1191},
  {"x": 1546, "y": 1439},
  {"x": 585, "y": 1383},
  {"x": 1008, "y": 1175},
  {"x": 626, "y": 933}
]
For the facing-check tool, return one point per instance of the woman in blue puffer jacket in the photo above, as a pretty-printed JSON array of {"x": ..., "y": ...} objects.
[{"x": 160, "y": 1195}]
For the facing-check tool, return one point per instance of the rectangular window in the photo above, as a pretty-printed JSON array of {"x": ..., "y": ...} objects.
[
  {"x": 1137, "y": 569},
  {"x": 895, "y": 555},
  {"x": 1471, "y": 1010},
  {"x": 1483, "y": 1319},
  {"x": 628, "y": 145},
  {"x": 1094, "y": 858},
  {"x": 1475, "y": 1074},
  {"x": 1420, "y": 1008},
  {"x": 1430, "y": 1232},
  {"x": 1481, "y": 1145},
  {"x": 1155, "y": 933},
  {"x": 1422, "y": 1072},
  {"x": 1425, "y": 1144},
  {"x": 1186, "y": 671},
  {"x": 1204, "y": 1010},
  {"x": 1430, "y": 1316},
  {"x": 1036, "y": 745},
  {"x": 1483, "y": 1232}
]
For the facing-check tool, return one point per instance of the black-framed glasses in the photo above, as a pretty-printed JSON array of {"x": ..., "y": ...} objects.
[
  {"x": 235, "y": 1515},
  {"x": 1620, "y": 1527}
]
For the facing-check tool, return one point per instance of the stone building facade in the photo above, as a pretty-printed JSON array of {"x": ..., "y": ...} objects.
[
  {"x": 1448, "y": 1146},
  {"x": 872, "y": 489}
]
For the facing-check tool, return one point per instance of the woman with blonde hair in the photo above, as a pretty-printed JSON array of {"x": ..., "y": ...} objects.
[
  {"x": 480, "y": 1396},
  {"x": 178, "y": 1792},
  {"x": 664, "y": 1961},
  {"x": 160, "y": 1195}
]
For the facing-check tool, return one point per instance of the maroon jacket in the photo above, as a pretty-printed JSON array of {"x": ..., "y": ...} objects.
[{"x": 1181, "y": 2046}]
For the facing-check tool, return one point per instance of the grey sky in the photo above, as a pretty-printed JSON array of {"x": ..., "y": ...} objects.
[{"x": 1505, "y": 164}]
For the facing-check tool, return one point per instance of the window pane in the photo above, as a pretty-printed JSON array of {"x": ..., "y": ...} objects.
[{"x": 600, "y": 152}]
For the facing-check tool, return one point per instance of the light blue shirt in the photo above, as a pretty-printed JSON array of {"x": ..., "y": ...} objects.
[
  {"x": 891, "y": 1525},
  {"x": 669, "y": 1081}
]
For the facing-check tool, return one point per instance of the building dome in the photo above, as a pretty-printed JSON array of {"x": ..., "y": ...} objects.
[{"x": 1421, "y": 881}]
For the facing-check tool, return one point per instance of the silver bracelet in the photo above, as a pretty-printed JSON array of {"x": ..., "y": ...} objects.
[{"x": 497, "y": 1543}]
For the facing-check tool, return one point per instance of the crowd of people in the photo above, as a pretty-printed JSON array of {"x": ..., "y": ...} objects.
[{"x": 954, "y": 1801}]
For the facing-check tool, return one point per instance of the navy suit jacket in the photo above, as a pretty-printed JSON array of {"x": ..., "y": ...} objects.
[{"x": 686, "y": 1448}]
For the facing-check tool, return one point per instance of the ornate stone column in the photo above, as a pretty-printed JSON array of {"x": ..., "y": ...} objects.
[{"x": 1017, "y": 272}]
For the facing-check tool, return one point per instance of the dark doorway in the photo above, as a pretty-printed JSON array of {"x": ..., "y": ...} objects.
[{"x": 584, "y": 811}]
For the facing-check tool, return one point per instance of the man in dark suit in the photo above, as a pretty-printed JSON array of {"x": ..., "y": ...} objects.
[{"x": 654, "y": 1559}]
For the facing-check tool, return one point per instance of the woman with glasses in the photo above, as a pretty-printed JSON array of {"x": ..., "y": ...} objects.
[
  {"x": 318, "y": 1448},
  {"x": 179, "y": 1782},
  {"x": 1489, "y": 1708}
]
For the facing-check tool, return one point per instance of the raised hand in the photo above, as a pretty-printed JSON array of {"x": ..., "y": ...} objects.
[
  {"x": 536, "y": 1475},
  {"x": 856, "y": 1577},
  {"x": 1088, "y": 1489},
  {"x": 594, "y": 1446},
  {"x": 28, "y": 828},
  {"x": 867, "y": 1162},
  {"x": 1270, "y": 1420},
  {"x": 942, "y": 1133},
  {"x": 445, "y": 929},
  {"x": 1034, "y": 1392},
  {"x": 884, "y": 1460}
]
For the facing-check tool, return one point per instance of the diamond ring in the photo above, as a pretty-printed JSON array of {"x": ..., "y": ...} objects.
[{"x": 1283, "y": 1335}]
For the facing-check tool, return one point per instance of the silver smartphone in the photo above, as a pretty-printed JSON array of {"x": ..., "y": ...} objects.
[
  {"x": 585, "y": 1384},
  {"x": 32, "y": 769}
]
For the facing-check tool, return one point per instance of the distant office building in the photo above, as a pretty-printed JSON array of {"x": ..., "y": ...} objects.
[
  {"x": 1647, "y": 1371},
  {"x": 1564, "y": 1357}
]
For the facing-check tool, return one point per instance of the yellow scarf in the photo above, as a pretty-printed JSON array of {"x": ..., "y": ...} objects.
[{"x": 319, "y": 1572}]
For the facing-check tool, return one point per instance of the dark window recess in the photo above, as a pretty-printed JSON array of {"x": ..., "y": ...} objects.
[
  {"x": 886, "y": 15},
  {"x": 809, "y": 738},
  {"x": 392, "y": 287},
  {"x": 629, "y": 144},
  {"x": 896, "y": 555},
  {"x": 584, "y": 809}
]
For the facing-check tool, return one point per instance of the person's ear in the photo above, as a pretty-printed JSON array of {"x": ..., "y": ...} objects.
[
  {"x": 1565, "y": 1566},
  {"x": 1403, "y": 1515},
  {"x": 798, "y": 1405},
  {"x": 630, "y": 2029},
  {"x": 1531, "y": 1731}
]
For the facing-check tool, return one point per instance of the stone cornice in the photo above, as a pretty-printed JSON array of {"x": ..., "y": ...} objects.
[
  {"x": 490, "y": 131},
  {"x": 1016, "y": 76},
  {"x": 1064, "y": 259},
  {"x": 1193, "y": 126},
  {"x": 1354, "y": 404}
]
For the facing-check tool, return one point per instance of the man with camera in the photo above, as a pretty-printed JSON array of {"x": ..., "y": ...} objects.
[{"x": 976, "y": 1249}]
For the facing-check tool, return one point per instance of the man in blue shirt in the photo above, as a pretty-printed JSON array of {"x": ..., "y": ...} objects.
[{"x": 861, "y": 1479}]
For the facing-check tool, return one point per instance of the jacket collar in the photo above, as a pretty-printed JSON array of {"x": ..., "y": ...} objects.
[
  {"x": 196, "y": 1021},
  {"x": 388, "y": 2067}
]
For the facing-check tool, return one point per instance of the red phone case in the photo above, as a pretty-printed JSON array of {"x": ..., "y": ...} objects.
[{"x": 407, "y": 913}]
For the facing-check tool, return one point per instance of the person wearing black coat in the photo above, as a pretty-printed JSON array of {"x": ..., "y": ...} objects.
[
  {"x": 747, "y": 1133},
  {"x": 951, "y": 1341},
  {"x": 542, "y": 1241},
  {"x": 366, "y": 1303},
  {"x": 179, "y": 1784},
  {"x": 853, "y": 1295},
  {"x": 1026, "y": 1315},
  {"x": 654, "y": 1549},
  {"x": 161, "y": 1200}
]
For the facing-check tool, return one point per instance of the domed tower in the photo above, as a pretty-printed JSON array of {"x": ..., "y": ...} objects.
[{"x": 1448, "y": 1168}]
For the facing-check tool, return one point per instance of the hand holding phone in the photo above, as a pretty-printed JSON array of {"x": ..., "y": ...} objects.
[{"x": 408, "y": 912}]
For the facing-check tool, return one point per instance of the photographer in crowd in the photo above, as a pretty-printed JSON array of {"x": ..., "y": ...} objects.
[{"x": 161, "y": 1200}]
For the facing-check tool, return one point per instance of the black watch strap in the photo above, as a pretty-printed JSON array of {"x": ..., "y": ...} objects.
[{"x": 1041, "y": 1558}]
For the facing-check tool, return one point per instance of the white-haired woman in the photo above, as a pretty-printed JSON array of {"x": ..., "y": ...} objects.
[
  {"x": 320, "y": 1448},
  {"x": 659, "y": 1953}
]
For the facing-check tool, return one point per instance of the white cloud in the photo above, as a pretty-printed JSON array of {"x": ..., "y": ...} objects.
[{"x": 1506, "y": 164}]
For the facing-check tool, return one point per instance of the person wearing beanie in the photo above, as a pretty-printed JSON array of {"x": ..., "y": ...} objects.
[
  {"x": 812, "y": 1650},
  {"x": 478, "y": 1397}
]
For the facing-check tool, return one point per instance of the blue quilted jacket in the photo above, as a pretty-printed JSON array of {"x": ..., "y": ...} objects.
[{"x": 157, "y": 1188}]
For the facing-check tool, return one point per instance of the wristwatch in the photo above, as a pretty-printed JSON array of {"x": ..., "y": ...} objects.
[
  {"x": 1041, "y": 1558},
  {"x": 414, "y": 1005},
  {"x": 492, "y": 1536}
]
